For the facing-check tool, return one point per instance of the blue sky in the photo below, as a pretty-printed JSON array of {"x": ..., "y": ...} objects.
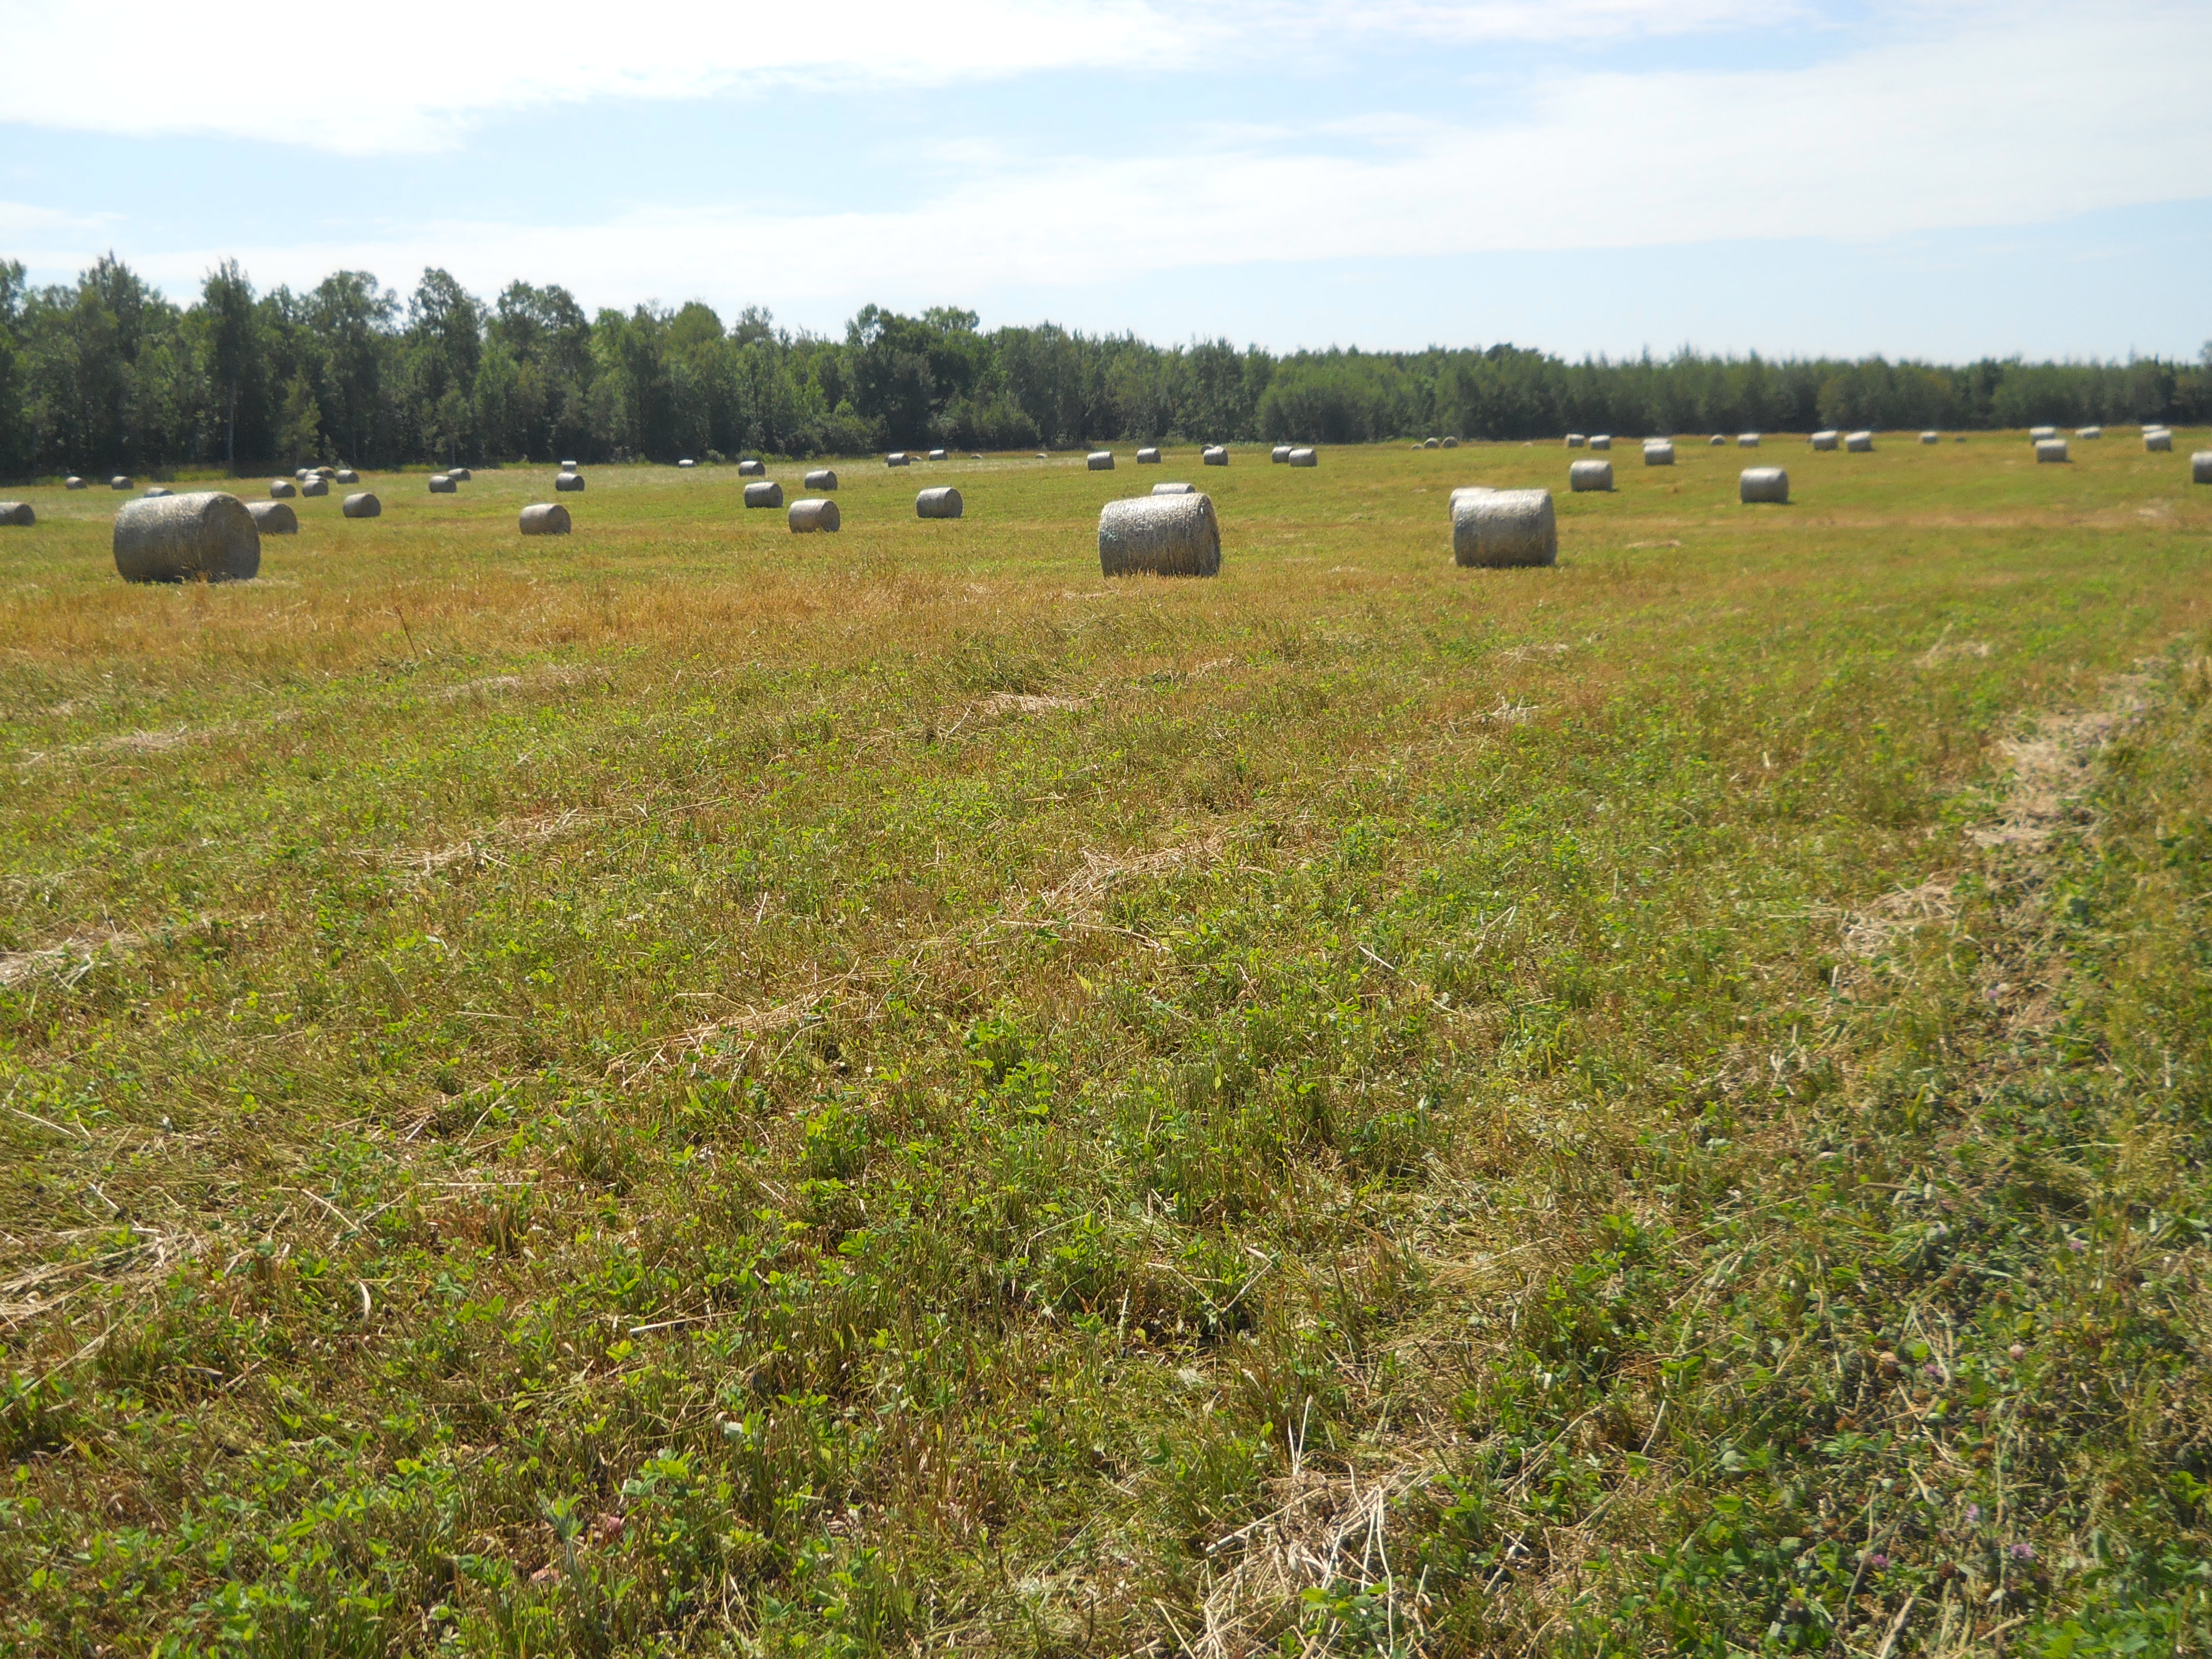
[{"x": 1940, "y": 180}]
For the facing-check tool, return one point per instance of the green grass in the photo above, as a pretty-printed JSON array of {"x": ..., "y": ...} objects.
[{"x": 692, "y": 1090}]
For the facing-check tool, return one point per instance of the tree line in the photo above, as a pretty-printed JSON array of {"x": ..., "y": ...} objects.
[{"x": 109, "y": 373}]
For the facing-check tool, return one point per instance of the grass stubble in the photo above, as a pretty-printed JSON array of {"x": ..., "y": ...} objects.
[{"x": 683, "y": 1089}]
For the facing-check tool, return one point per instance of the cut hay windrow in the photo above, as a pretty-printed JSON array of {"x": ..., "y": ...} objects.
[
  {"x": 942, "y": 502},
  {"x": 207, "y": 536},
  {"x": 1769, "y": 484},
  {"x": 544, "y": 519},
  {"x": 274, "y": 517},
  {"x": 1159, "y": 536},
  {"x": 1585, "y": 476},
  {"x": 813, "y": 514},
  {"x": 1505, "y": 529},
  {"x": 766, "y": 492}
]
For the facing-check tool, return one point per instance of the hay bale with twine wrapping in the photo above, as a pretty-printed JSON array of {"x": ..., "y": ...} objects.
[
  {"x": 1576, "y": 440},
  {"x": 1175, "y": 489},
  {"x": 816, "y": 513},
  {"x": 1601, "y": 440},
  {"x": 1302, "y": 457},
  {"x": 752, "y": 469},
  {"x": 118, "y": 482},
  {"x": 362, "y": 506},
  {"x": 2200, "y": 466},
  {"x": 281, "y": 489},
  {"x": 1214, "y": 455},
  {"x": 301, "y": 473},
  {"x": 1763, "y": 484},
  {"x": 1099, "y": 460},
  {"x": 569, "y": 481},
  {"x": 1451, "y": 443},
  {"x": 318, "y": 485},
  {"x": 1148, "y": 457},
  {"x": 1931, "y": 437},
  {"x": 1159, "y": 536},
  {"x": 346, "y": 475},
  {"x": 1505, "y": 529},
  {"x": 1827, "y": 439},
  {"x": 17, "y": 513},
  {"x": 2036, "y": 434},
  {"x": 897, "y": 458},
  {"x": 73, "y": 483},
  {"x": 544, "y": 519},
  {"x": 1583, "y": 476},
  {"x": 768, "y": 492},
  {"x": 440, "y": 485},
  {"x": 942, "y": 502},
  {"x": 1281, "y": 452},
  {"x": 274, "y": 517},
  {"x": 206, "y": 536},
  {"x": 823, "y": 479},
  {"x": 2048, "y": 450},
  {"x": 1859, "y": 443},
  {"x": 2159, "y": 440},
  {"x": 1746, "y": 440},
  {"x": 1658, "y": 451},
  {"x": 1432, "y": 443},
  {"x": 326, "y": 472}
]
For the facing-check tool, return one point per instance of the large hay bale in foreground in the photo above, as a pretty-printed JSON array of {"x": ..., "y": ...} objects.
[
  {"x": 942, "y": 502},
  {"x": 1576, "y": 440},
  {"x": 569, "y": 481},
  {"x": 1214, "y": 455},
  {"x": 544, "y": 519},
  {"x": 1302, "y": 457},
  {"x": 1601, "y": 440},
  {"x": 1099, "y": 460},
  {"x": 362, "y": 506},
  {"x": 1658, "y": 451},
  {"x": 1859, "y": 443},
  {"x": 2048, "y": 450},
  {"x": 1505, "y": 529},
  {"x": 2200, "y": 466},
  {"x": 1159, "y": 536},
  {"x": 1583, "y": 476},
  {"x": 443, "y": 484},
  {"x": 1763, "y": 484},
  {"x": 17, "y": 513},
  {"x": 1827, "y": 439},
  {"x": 1148, "y": 456},
  {"x": 816, "y": 513},
  {"x": 73, "y": 483},
  {"x": 317, "y": 485},
  {"x": 274, "y": 517},
  {"x": 1746, "y": 440},
  {"x": 2158, "y": 439},
  {"x": 768, "y": 492},
  {"x": 281, "y": 489},
  {"x": 1175, "y": 489},
  {"x": 206, "y": 536},
  {"x": 823, "y": 477}
]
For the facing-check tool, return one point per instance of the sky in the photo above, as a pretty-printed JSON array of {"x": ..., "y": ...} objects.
[{"x": 1942, "y": 179}]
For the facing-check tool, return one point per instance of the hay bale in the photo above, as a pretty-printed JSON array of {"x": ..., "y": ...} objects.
[
  {"x": 936, "y": 455},
  {"x": 1658, "y": 451},
  {"x": 156, "y": 491},
  {"x": 1859, "y": 443},
  {"x": 1719, "y": 441},
  {"x": 1302, "y": 457},
  {"x": 1159, "y": 536},
  {"x": 2200, "y": 467},
  {"x": 1505, "y": 528},
  {"x": 1746, "y": 440},
  {"x": 814, "y": 513},
  {"x": 361, "y": 505},
  {"x": 299, "y": 473},
  {"x": 281, "y": 489},
  {"x": 1432, "y": 443},
  {"x": 568, "y": 481},
  {"x": 1589, "y": 475},
  {"x": 1601, "y": 440},
  {"x": 442, "y": 485},
  {"x": 1148, "y": 457},
  {"x": 326, "y": 472},
  {"x": 274, "y": 517},
  {"x": 459, "y": 474},
  {"x": 942, "y": 502},
  {"x": 1763, "y": 484},
  {"x": 1576, "y": 440},
  {"x": 2088, "y": 432},
  {"x": 822, "y": 478},
  {"x": 206, "y": 536},
  {"x": 346, "y": 475},
  {"x": 1827, "y": 439},
  {"x": 1214, "y": 455},
  {"x": 1472, "y": 489},
  {"x": 544, "y": 519},
  {"x": 17, "y": 513},
  {"x": 768, "y": 493},
  {"x": 897, "y": 458},
  {"x": 567, "y": 467},
  {"x": 752, "y": 469},
  {"x": 1281, "y": 452},
  {"x": 2159, "y": 439},
  {"x": 1099, "y": 460},
  {"x": 2036, "y": 434},
  {"x": 1175, "y": 489},
  {"x": 118, "y": 482},
  {"x": 2048, "y": 450},
  {"x": 73, "y": 483},
  {"x": 318, "y": 485},
  {"x": 1931, "y": 437},
  {"x": 1451, "y": 443},
  {"x": 685, "y": 465}
]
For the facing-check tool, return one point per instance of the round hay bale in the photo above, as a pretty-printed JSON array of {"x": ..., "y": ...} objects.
[
  {"x": 1451, "y": 443},
  {"x": 686, "y": 464},
  {"x": 442, "y": 485},
  {"x": 1576, "y": 440},
  {"x": 1175, "y": 489},
  {"x": 1931, "y": 437},
  {"x": 361, "y": 505},
  {"x": 346, "y": 475},
  {"x": 1827, "y": 439},
  {"x": 567, "y": 467},
  {"x": 1583, "y": 476},
  {"x": 2048, "y": 450},
  {"x": 2036, "y": 434},
  {"x": 318, "y": 485},
  {"x": 326, "y": 472},
  {"x": 822, "y": 478},
  {"x": 768, "y": 493},
  {"x": 156, "y": 491},
  {"x": 2200, "y": 467},
  {"x": 568, "y": 481},
  {"x": 816, "y": 513},
  {"x": 301, "y": 473},
  {"x": 281, "y": 489},
  {"x": 2088, "y": 432},
  {"x": 459, "y": 474},
  {"x": 1763, "y": 484},
  {"x": 1719, "y": 441},
  {"x": 2162, "y": 441},
  {"x": 1432, "y": 443},
  {"x": 17, "y": 513},
  {"x": 1214, "y": 455},
  {"x": 1473, "y": 490},
  {"x": 1859, "y": 443},
  {"x": 936, "y": 455},
  {"x": 1281, "y": 452},
  {"x": 1601, "y": 440},
  {"x": 1302, "y": 457},
  {"x": 1746, "y": 440},
  {"x": 274, "y": 517},
  {"x": 897, "y": 458},
  {"x": 1159, "y": 536},
  {"x": 1505, "y": 529},
  {"x": 1658, "y": 451},
  {"x": 206, "y": 536},
  {"x": 1148, "y": 457},
  {"x": 752, "y": 469},
  {"x": 73, "y": 483},
  {"x": 942, "y": 502},
  {"x": 1099, "y": 460},
  {"x": 544, "y": 519},
  {"x": 118, "y": 482}
]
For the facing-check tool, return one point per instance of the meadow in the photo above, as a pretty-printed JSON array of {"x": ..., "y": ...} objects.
[{"x": 685, "y": 1089}]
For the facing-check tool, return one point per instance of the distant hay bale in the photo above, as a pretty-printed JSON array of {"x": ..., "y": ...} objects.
[
  {"x": 1931, "y": 437},
  {"x": 326, "y": 472},
  {"x": 1148, "y": 456},
  {"x": 2200, "y": 467},
  {"x": 1099, "y": 460},
  {"x": 1584, "y": 476},
  {"x": 1719, "y": 441},
  {"x": 1214, "y": 455},
  {"x": 2048, "y": 450},
  {"x": 1281, "y": 452},
  {"x": 2159, "y": 438},
  {"x": 361, "y": 505},
  {"x": 822, "y": 478},
  {"x": 318, "y": 485},
  {"x": 1601, "y": 440},
  {"x": 2036, "y": 434},
  {"x": 206, "y": 536},
  {"x": 1859, "y": 443},
  {"x": 816, "y": 513},
  {"x": 942, "y": 502},
  {"x": 768, "y": 493},
  {"x": 686, "y": 464},
  {"x": 346, "y": 475},
  {"x": 936, "y": 455},
  {"x": 442, "y": 484},
  {"x": 459, "y": 474},
  {"x": 301, "y": 473},
  {"x": 1658, "y": 451},
  {"x": 1764, "y": 483},
  {"x": 568, "y": 481},
  {"x": 17, "y": 513},
  {"x": 118, "y": 482},
  {"x": 1472, "y": 489},
  {"x": 1159, "y": 536},
  {"x": 1505, "y": 529},
  {"x": 274, "y": 517},
  {"x": 1576, "y": 440},
  {"x": 1175, "y": 489},
  {"x": 752, "y": 469},
  {"x": 73, "y": 483},
  {"x": 281, "y": 489},
  {"x": 1432, "y": 443},
  {"x": 1302, "y": 457},
  {"x": 155, "y": 492},
  {"x": 897, "y": 458},
  {"x": 544, "y": 519},
  {"x": 567, "y": 467},
  {"x": 1827, "y": 439},
  {"x": 2088, "y": 432},
  {"x": 1451, "y": 443},
  {"x": 1746, "y": 440}
]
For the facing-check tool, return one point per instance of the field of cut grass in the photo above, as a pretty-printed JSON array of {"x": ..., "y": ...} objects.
[{"x": 691, "y": 1090}]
